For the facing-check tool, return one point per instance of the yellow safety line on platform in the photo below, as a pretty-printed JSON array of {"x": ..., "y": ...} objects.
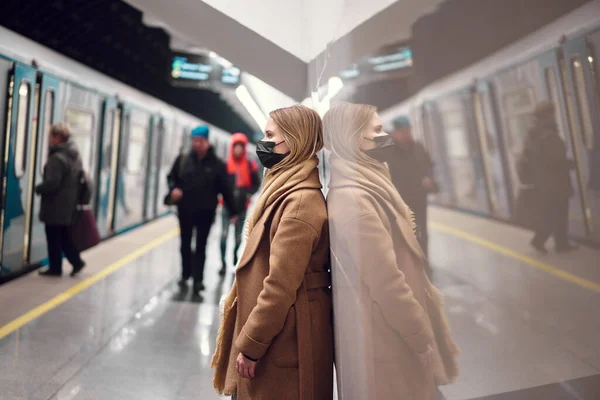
[
  {"x": 81, "y": 286},
  {"x": 559, "y": 273}
]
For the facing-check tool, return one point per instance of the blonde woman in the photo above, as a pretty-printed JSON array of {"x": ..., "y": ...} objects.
[
  {"x": 275, "y": 340},
  {"x": 392, "y": 339}
]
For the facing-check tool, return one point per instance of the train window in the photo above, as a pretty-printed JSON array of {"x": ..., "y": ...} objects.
[
  {"x": 135, "y": 156},
  {"x": 81, "y": 124},
  {"x": 22, "y": 127},
  {"x": 519, "y": 105},
  {"x": 48, "y": 121},
  {"x": 554, "y": 99},
  {"x": 584, "y": 107}
]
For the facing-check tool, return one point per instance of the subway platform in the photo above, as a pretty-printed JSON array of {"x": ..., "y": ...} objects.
[{"x": 527, "y": 325}]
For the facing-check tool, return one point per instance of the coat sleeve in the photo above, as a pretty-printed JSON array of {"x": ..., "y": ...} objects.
[
  {"x": 287, "y": 270},
  {"x": 368, "y": 244},
  {"x": 53, "y": 176},
  {"x": 173, "y": 179}
]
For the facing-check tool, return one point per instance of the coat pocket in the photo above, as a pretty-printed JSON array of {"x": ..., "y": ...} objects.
[{"x": 283, "y": 351}]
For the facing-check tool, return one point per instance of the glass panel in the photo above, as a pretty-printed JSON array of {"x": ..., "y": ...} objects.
[
  {"x": 48, "y": 121},
  {"x": 81, "y": 123},
  {"x": 463, "y": 153},
  {"x": 38, "y": 236},
  {"x": 584, "y": 107},
  {"x": 22, "y": 126},
  {"x": 577, "y": 220},
  {"x": 555, "y": 99},
  {"x": 500, "y": 191},
  {"x": 137, "y": 144}
]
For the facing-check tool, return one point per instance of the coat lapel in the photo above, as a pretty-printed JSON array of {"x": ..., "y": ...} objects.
[{"x": 256, "y": 235}]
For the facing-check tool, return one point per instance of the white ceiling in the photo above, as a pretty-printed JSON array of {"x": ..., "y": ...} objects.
[{"x": 301, "y": 27}]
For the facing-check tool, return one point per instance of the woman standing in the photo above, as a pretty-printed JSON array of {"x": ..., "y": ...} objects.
[
  {"x": 245, "y": 182},
  {"x": 275, "y": 340},
  {"x": 392, "y": 338}
]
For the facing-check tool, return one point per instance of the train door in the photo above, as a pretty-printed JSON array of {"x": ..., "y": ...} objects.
[
  {"x": 107, "y": 166},
  {"x": 436, "y": 145},
  {"x": 554, "y": 91},
  {"x": 132, "y": 171},
  {"x": 18, "y": 168},
  {"x": 584, "y": 120},
  {"x": 491, "y": 150},
  {"x": 45, "y": 115},
  {"x": 153, "y": 157}
]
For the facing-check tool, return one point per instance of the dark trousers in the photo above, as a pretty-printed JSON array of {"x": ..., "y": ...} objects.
[
  {"x": 239, "y": 230},
  {"x": 553, "y": 221},
  {"x": 59, "y": 241},
  {"x": 202, "y": 221}
]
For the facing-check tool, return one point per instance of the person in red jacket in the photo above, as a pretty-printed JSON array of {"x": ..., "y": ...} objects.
[{"x": 245, "y": 182}]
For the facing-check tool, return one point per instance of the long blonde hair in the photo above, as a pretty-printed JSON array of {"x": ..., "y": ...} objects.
[
  {"x": 302, "y": 130},
  {"x": 345, "y": 126}
]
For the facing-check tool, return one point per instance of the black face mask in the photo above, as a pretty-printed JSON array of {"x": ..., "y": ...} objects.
[
  {"x": 382, "y": 143},
  {"x": 266, "y": 155}
]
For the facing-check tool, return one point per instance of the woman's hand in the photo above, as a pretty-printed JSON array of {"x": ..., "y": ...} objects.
[
  {"x": 426, "y": 357},
  {"x": 245, "y": 367}
]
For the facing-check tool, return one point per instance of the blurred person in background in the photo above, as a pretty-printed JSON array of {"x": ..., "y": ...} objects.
[
  {"x": 411, "y": 170},
  {"x": 60, "y": 193},
  {"x": 544, "y": 165},
  {"x": 392, "y": 338},
  {"x": 245, "y": 182},
  {"x": 195, "y": 181},
  {"x": 276, "y": 335}
]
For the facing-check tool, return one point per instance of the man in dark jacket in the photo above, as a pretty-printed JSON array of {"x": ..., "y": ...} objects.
[
  {"x": 412, "y": 174},
  {"x": 547, "y": 167},
  {"x": 60, "y": 191},
  {"x": 195, "y": 181}
]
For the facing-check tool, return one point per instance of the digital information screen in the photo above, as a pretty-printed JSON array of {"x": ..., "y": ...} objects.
[
  {"x": 191, "y": 70},
  {"x": 388, "y": 61}
]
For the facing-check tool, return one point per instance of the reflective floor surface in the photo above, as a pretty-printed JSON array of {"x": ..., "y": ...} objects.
[{"x": 524, "y": 333}]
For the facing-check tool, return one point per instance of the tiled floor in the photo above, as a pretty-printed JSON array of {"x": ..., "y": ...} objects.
[{"x": 524, "y": 334}]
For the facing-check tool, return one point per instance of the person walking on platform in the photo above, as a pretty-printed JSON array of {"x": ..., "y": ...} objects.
[
  {"x": 276, "y": 340},
  {"x": 544, "y": 165},
  {"x": 195, "y": 181},
  {"x": 60, "y": 193},
  {"x": 411, "y": 170},
  {"x": 392, "y": 338},
  {"x": 245, "y": 182}
]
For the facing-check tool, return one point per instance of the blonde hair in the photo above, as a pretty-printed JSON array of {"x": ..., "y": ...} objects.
[
  {"x": 302, "y": 130},
  {"x": 60, "y": 130},
  {"x": 345, "y": 126}
]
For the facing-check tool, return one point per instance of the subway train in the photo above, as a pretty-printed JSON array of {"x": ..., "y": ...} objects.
[
  {"x": 128, "y": 141},
  {"x": 474, "y": 121}
]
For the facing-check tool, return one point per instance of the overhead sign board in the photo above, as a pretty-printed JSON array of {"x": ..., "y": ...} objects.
[{"x": 201, "y": 71}]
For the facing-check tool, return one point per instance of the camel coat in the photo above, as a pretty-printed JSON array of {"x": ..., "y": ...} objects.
[
  {"x": 282, "y": 312},
  {"x": 385, "y": 309}
]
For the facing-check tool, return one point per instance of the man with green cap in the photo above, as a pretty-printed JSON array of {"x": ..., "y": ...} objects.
[{"x": 195, "y": 181}]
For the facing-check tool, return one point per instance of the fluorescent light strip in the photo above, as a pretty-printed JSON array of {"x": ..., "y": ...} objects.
[{"x": 246, "y": 99}]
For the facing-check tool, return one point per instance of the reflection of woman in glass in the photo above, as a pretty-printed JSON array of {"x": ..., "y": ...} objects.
[{"x": 392, "y": 337}]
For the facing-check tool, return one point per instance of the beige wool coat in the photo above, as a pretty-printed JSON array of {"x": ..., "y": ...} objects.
[
  {"x": 279, "y": 310},
  {"x": 386, "y": 311}
]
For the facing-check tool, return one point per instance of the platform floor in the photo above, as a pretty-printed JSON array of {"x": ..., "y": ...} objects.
[{"x": 527, "y": 325}]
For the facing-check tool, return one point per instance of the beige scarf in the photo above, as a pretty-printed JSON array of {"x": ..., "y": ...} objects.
[
  {"x": 275, "y": 188},
  {"x": 376, "y": 180}
]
